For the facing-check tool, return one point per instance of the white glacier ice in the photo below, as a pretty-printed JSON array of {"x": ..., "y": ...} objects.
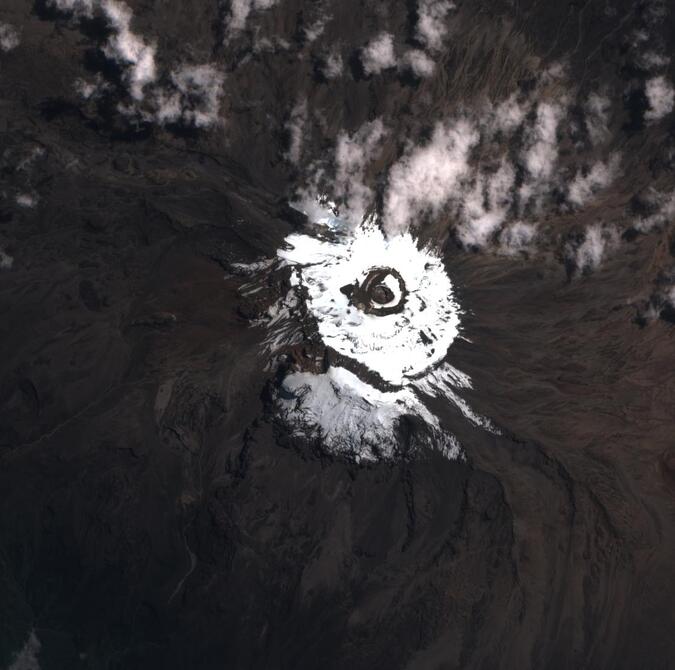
[
  {"x": 353, "y": 417},
  {"x": 397, "y": 346}
]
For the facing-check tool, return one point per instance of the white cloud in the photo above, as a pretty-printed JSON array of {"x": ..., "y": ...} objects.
[
  {"x": 352, "y": 155},
  {"x": 315, "y": 30},
  {"x": 596, "y": 117},
  {"x": 652, "y": 60},
  {"x": 345, "y": 191},
  {"x": 270, "y": 45},
  {"x": 487, "y": 175},
  {"x": 486, "y": 201},
  {"x": 516, "y": 238},
  {"x": 296, "y": 129},
  {"x": 131, "y": 52},
  {"x": 81, "y": 8},
  {"x": 91, "y": 90},
  {"x": 586, "y": 184},
  {"x": 427, "y": 177},
  {"x": 128, "y": 49},
  {"x": 333, "y": 65},
  {"x": 655, "y": 11},
  {"x": 507, "y": 116},
  {"x": 670, "y": 295},
  {"x": 378, "y": 54},
  {"x": 194, "y": 99},
  {"x": 484, "y": 206},
  {"x": 588, "y": 255},
  {"x": 661, "y": 98},
  {"x": 9, "y": 37},
  {"x": 27, "y": 658},
  {"x": 664, "y": 215},
  {"x": 26, "y": 200},
  {"x": 431, "y": 26},
  {"x": 26, "y": 163},
  {"x": 639, "y": 37},
  {"x": 239, "y": 11},
  {"x": 661, "y": 300},
  {"x": 6, "y": 261},
  {"x": 418, "y": 62},
  {"x": 542, "y": 154}
]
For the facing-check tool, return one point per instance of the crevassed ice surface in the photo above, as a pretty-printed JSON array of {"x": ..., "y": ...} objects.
[{"x": 397, "y": 346}]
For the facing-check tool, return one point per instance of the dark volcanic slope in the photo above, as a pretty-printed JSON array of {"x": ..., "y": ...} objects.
[{"x": 152, "y": 512}]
